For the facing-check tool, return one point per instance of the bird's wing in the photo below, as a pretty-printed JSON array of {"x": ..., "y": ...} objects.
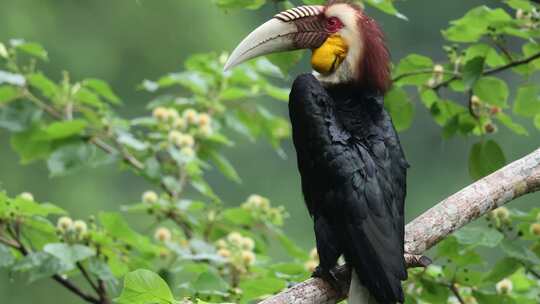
[
  {"x": 374, "y": 222},
  {"x": 362, "y": 186}
]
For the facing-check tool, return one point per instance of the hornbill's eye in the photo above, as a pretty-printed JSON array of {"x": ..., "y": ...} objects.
[{"x": 333, "y": 24}]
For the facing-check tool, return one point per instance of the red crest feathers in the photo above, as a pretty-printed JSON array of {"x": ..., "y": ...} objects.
[{"x": 375, "y": 64}]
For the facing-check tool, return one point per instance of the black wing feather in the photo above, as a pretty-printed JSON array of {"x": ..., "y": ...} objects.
[{"x": 353, "y": 175}]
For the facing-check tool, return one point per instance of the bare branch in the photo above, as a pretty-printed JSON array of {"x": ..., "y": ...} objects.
[{"x": 514, "y": 180}]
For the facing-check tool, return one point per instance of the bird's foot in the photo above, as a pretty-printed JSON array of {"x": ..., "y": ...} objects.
[
  {"x": 413, "y": 260},
  {"x": 328, "y": 275}
]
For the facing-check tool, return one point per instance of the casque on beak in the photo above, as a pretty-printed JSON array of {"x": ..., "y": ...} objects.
[{"x": 297, "y": 28}]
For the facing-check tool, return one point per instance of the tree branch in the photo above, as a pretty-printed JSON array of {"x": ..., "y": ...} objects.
[
  {"x": 487, "y": 72},
  {"x": 514, "y": 180},
  {"x": 87, "y": 277},
  {"x": 457, "y": 76},
  {"x": 74, "y": 289}
]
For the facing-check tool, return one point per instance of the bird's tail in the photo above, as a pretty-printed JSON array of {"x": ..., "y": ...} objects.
[{"x": 358, "y": 294}]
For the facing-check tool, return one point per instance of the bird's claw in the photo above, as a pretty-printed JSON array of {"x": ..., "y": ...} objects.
[{"x": 328, "y": 275}]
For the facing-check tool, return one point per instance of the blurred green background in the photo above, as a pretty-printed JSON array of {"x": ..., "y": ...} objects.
[{"x": 127, "y": 41}]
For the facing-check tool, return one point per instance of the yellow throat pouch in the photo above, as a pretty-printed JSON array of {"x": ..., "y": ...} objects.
[{"x": 327, "y": 58}]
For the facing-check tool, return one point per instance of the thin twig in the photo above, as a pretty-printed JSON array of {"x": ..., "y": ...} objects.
[
  {"x": 418, "y": 73},
  {"x": 101, "y": 284},
  {"x": 130, "y": 159},
  {"x": 41, "y": 104},
  {"x": 503, "y": 50},
  {"x": 186, "y": 228},
  {"x": 87, "y": 277},
  {"x": 456, "y": 293},
  {"x": 9, "y": 243},
  {"x": 76, "y": 290},
  {"x": 492, "y": 71}
]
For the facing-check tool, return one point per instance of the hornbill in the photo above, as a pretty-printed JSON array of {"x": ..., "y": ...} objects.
[{"x": 351, "y": 163}]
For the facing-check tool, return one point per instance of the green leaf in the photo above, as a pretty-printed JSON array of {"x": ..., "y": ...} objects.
[
  {"x": 472, "y": 71},
  {"x": 40, "y": 265},
  {"x": 204, "y": 188},
  {"x": 210, "y": 283},
  {"x": 86, "y": 96},
  {"x": 518, "y": 251},
  {"x": 73, "y": 157},
  {"x": 290, "y": 247},
  {"x": 145, "y": 287},
  {"x": 238, "y": 216},
  {"x": 28, "y": 149},
  {"x": 32, "y": 49},
  {"x": 40, "y": 232},
  {"x": 492, "y": 90},
  {"x": 451, "y": 127},
  {"x": 253, "y": 289},
  {"x": 475, "y": 24},
  {"x": 3, "y": 51},
  {"x": 450, "y": 248},
  {"x": 528, "y": 100},
  {"x": 485, "y": 158},
  {"x": 8, "y": 93},
  {"x": 6, "y": 257},
  {"x": 30, "y": 208},
  {"x": 507, "y": 121},
  {"x": 411, "y": 64},
  {"x": 502, "y": 269},
  {"x": 117, "y": 227},
  {"x": 69, "y": 254},
  {"x": 289, "y": 269},
  {"x": 401, "y": 109},
  {"x": 484, "y": 297},
  {"x": 224, "y": 165},
  {"x": 103, "y": 89},
  {"x": 433, "y": 292},
  {"x": 234, "y": 93},
  {"x": 102, "y": 271},
  {"x": 387, "y": 6},
  {"x": 61, "y": 130},
  {"x": 530, "y": 49},
  {"x": 277, "y": 93},
  {"x": 492, "y": 58},
  {"x": 428, "y": 97},
  {"x": 191, "y": 80},
  {"x": 479, "y": 236},
  {"x": 46, "y": 86},
  {"x": 520, "y": 4},
  {"x": 467, "y": 123},
  {"x": 537, "y": 121},
  {"x": 129, "y": 140}
]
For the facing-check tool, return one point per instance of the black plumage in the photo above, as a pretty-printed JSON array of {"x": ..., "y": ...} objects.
[{"x": 353, "y": 174}]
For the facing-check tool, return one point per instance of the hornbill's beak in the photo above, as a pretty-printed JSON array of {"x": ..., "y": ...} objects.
[{"x": 298, "y": 28}]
